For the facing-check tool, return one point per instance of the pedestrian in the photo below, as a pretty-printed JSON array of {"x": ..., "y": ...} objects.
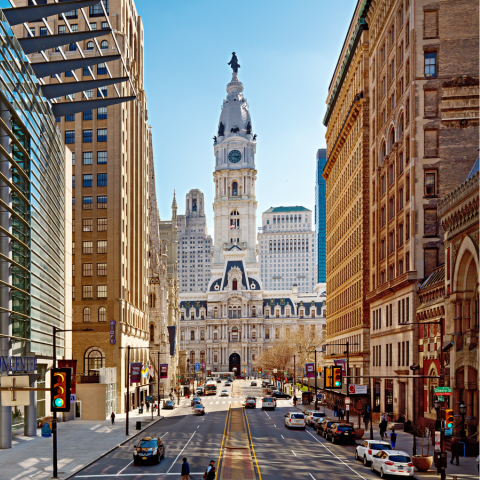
[
  {"x": 335, "y": 411},
  {"x": 455, "y": 451},
  {"x": 185, "y": 469},
  {"x": 393, "y": 438},
  {"x": 383, "y": 428},
  {"x": 343, "y": 413},
  {"x": 295, "y": 400},
  {"x": 148, "y": 406},
  {"x": 112, "y": 416},
  {"x": 210, "y": 471},
  {"x": 366, "y": 420}
]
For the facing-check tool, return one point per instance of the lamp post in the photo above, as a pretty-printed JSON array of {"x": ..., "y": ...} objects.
[{"x": 463, "y": 411}]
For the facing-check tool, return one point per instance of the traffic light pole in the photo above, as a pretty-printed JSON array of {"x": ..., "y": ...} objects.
[
  {"x": 443, "y": 453},
  {"x": 348, "y": 376},
  {"x": 316, "y": 374},
  {"x": 54, "y": 413}
]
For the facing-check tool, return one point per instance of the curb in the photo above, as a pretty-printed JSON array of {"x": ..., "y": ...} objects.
[{"x": 114, "y": 448}]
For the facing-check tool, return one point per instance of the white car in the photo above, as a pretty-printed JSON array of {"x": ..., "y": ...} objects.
[
  {"x": 224, "y": 393},
  {"x": 269, "y": 402},
  {"x": 295, "y": 420},
  {"x": 313, "y": 416},
  {"x": 392, "y": 462},
  {"x": 367, "y": 449}
]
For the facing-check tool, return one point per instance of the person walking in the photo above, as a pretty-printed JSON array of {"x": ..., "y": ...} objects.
[
  {"x": 210, "y": 471},
  {"x": 383, "y": 428},
  {"x": 112, "y": 416},
  {"x": 393, "y": 438},
  {"x": 455, "y": 451},
  {"x": 185, "y": 469},
  {"x": 295, "y": 400}
]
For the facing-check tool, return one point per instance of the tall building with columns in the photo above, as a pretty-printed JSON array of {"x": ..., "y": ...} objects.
[{"x": 229, "y": 324}]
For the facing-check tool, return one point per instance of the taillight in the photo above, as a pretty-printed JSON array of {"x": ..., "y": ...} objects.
[
  {"x": 410, "y": 464},
  {"x": 388, "y": 462},
  {"x": 290, "y": 420},
  {"x": 369, "y": 452}
]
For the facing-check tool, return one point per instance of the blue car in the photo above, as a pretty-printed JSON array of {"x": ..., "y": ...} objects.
[{"x": 149, "y": 449}]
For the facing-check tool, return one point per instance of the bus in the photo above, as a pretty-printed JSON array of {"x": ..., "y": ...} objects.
[{"x": 210, "y": 388}]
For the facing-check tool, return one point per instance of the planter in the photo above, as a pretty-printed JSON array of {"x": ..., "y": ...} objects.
[
  {"x": 359, "y": 433},
  {"x": 422, "y": 462}
]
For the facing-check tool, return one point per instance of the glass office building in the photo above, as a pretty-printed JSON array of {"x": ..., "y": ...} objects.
[{"x": 320, "y": 216}]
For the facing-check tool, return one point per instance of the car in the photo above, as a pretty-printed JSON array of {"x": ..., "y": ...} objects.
[
  {"x": 368, "y": 448},
  {"x": 253, "y": 384},
  {"x": 279, "y": 394},
  {"x": 341, "y": 433},
  {"x": 312, "y": 416},
  {"x": 251, "y": 402},
  {"x": 148, "y": 449},
  {"x": 227, "y": 383},
  {"x": 198, "y": 409},
  {"x": 219, "y": 380},
  {"x": 224, "y": 393},
  {"x": 392, "y": 462},
  {"x": 195, "y": 400},
  {"x": 322, "y": 427},
  {"x": 295, "y": 420},
  {"x": 269, "y": 402},
  {"x": 169, "y": 404},
  {"x": 200, "y": 391}
]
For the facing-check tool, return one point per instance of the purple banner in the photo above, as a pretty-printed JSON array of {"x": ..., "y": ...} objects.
[
  {"x": 164, "y": 370},
  {"x": 135, "y": 372},
  {"x": 341, "y": 363},
  {"x": 310, "y": 370}
]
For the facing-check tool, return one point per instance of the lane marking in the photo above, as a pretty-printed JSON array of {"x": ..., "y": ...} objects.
[
  {"x": 251, "y": 442},
  {"x": 178, "y": 456},
  {"x": 124, "y": 468},
  {"x": 101, "y": 475},
  {"x": 223, "y": 439},
  {"x": 282, "y": 437},
  {"x": 164, "y": 435},
  {"x": 321, "y": 443},
  {"x": 274, "y": 425},
  {"x": 312, "y": 476},
  {"x": 294, "y": 453}
]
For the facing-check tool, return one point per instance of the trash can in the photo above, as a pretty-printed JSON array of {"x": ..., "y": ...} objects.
[
  {"x": 138, "y": 425},
  {"x": 140, "y": 410},
  {"x": 307, "y": 398}
]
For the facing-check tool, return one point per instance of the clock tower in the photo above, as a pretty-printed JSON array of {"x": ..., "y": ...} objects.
[{"x": 235, "y": 204}]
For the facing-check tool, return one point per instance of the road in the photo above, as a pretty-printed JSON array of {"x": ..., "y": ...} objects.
[{"x": 278, "y": 453}]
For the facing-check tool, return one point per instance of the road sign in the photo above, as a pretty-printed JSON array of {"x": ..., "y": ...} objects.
[
  {"x": 443, "y": 391},
  {"x": 16, "y": 398},
  {"x": 440, "y": 398},
  {"x": 274, "y": 370},
  {"x": 357, "y": 389}
]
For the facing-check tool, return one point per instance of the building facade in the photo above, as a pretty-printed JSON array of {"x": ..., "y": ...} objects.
[
  {"x": 287, "y": 249},
  {"x": 321, "y": 216},
  {"x": 228, "y": 325},
  {"x": 195, "y": 245}
]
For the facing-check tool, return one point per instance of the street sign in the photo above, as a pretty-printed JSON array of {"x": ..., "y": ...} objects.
[
  {"x": 15, "y": 398},
  {"x": 441, "y": 398},
  {"x": 357, "y": 389},
  {"x": 443, "y": 391},
  {"x": 347, "y": 407},
  {"x": 274, "y": 370},
  {"x": 347, "y": 400}
]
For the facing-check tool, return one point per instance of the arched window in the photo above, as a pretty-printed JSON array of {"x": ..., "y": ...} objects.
[
  {"x": 383, "y": 152},
  {"x": 391, "y": 139},
  {"x": 72, "y": 47},
  {"x": 400, "y": 124},
  {"x": 254, "y": 312},
  {"x": 234, "y": 333},
  {"x": 152, "y": 332},
  {"x": 94, "y": 359},
  {"x": 152, "y": 300},
  {"x": 234, "y": 284},
  {"x": 215, "y": 312},
  {"x": 102, "y": 314},
  {"x": 87, "y": 315},
  {"x": 234, "y": 220},
  {"x": 234, "y": 189},
  {"x": 90, "y": 45},
  {"x": 104, "y": 45}
]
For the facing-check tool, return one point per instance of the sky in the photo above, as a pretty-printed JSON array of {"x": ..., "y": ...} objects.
[{"x": 287, "y": 52}]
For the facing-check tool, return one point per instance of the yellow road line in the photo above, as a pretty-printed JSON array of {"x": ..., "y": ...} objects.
[
  {"x": 221, "y": 446},
  {"x": 251, "y": 443}
]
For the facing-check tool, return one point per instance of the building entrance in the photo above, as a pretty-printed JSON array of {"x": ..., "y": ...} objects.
[{"x": 234, "y": 363}]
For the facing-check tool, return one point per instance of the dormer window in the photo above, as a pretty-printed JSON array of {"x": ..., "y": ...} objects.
[{"x": 234, "y": 284}]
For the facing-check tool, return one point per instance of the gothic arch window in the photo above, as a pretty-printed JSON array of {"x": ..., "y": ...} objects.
[
  {"x": 102, "y": 314},
  {"x": 87, "y": 314},
  {"x": 234, "y": 333},
  {"x": 94, "y": 359},
  {"x": 152, "y": 332},
  {"x": 234, "y": 189}
]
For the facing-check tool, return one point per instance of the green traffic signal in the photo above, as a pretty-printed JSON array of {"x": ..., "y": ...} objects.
[
  {"x": 58, "y": 402},
  {"x": 337, "y": 384}
]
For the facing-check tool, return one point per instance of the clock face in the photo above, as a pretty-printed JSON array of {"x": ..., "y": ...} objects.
[{"x": 234, "y": 156}]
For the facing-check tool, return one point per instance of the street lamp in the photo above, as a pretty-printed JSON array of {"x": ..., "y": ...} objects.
[{"x": 463, "y": 411}]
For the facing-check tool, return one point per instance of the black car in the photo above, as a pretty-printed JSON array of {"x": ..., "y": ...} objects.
[
  {"x": 149, "y": 449},
  {"x": 278, "y": 394},
  {"x": 322, "y": 427},
  {"x": 341, "y": 433},
  {"x": 169, "y": 404}
]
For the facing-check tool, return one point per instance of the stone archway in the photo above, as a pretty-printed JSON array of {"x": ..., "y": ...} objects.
[{"x": 234, "y": 362}]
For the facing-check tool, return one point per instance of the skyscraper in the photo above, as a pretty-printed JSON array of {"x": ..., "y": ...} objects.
[{"x": 321, "y": 216}]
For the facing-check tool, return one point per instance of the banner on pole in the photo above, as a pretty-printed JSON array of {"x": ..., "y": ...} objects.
[
  {"x": 310, "y": 370},
  {"x": 342, "y": 363},
  {"x": 164, "y": 370},
  {"x": 135, "y": 372},
  {"x": 73, "y": 381}
]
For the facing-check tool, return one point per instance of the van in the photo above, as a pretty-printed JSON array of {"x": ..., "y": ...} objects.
[{"x": 269, "y": 403}]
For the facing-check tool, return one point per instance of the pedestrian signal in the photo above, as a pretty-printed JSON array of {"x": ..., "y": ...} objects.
[
  {"x": 60, "y": 389},
  {"x": 327, "y": 374},
  {"x": 449, "y": 418},
  {"x": 337, "y": 377}
]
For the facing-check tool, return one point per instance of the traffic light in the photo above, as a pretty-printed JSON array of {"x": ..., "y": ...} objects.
[
  {"x": 60, "y": 389},
  {"x": 449, "y": 418},
  {"x": 337, "y": 377},
  {"x": 327, "y": 373},
  {"x": 209, "y": 373},
  {"x": 259, "y": 371}
]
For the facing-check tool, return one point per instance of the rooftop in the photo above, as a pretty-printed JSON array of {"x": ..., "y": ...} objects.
[{"x": 297, "y": 208}]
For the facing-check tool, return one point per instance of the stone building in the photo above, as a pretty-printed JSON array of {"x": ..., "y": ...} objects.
[{"x": 194, "y": 245}]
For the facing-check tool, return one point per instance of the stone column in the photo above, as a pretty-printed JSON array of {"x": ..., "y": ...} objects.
[
  {"x": 466, "y": 318},
  {"x": 458, "y": 317},
  {"x": 470, "y": 397},
  {"x": 30, "y": 426}
]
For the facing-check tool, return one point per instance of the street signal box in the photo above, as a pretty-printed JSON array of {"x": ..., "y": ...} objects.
[
  {"x": 337, "y": 377},
  {"x": 449, "y": 422},
  {"x": 209, "y": 373},
  {"x": 60, "y": 389},
  {"x": 259, "y": 371},
  {"x": 327, "y": 373}
]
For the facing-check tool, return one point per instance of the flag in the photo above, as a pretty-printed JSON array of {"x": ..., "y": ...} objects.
[{"x": 232, "y": 226}]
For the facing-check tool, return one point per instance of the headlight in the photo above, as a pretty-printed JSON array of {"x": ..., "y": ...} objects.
[
  {"x": 155, "y": 450},
  {"x": 135, "y": 452}
]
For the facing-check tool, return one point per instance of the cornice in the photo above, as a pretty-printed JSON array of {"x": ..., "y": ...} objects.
[{"x": 458, "y": 195}]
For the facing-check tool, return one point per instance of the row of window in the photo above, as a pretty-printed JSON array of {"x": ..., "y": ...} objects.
[
  {"x": 87, "y": 247},
  {"x": 403, "y": 314},
  {"x": 87, "y": 136},
  {"x": 87, "y": 115},
  {"x": 87, "y": 314},
  {"x": 403, "y": 352},
  {"x": 94, "y": 10},
  {"x": 87, "y": 202},
  {"x": 87, "y": 270},
  {"x": 87, "y": 292},
  {"x": 87, "y": 225},
  {"x": 292, "y": 218},
  {"x": 88, "y": 180}
]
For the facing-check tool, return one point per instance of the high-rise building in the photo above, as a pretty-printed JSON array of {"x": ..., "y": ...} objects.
[
  {"x": 110, "y": 146},
  {"x": 321, "y": 216},
  {"x": 287, "y": 249},
  {"x": 195, "y": 245}
]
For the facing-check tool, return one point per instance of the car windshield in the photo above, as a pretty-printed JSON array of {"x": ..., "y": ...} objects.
[
  {"x": 198, "y": 407},
  {"x": 196, "y": 398},
  {"x": 297, "y": 415},
  {"x": 268, "y": 399},
  {"x": 318, "y": 414},
  {"x": 380, "y": 446},
  {"x": 344, "y": 429},
  {"x": 400, "y": 458},
  {"x": 147, "y": 444}
]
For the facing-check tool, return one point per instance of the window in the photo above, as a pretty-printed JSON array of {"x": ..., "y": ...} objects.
[
  {"x": 72, "y": 47},
  {"x": 101, "y": 291},
  {"x": 70, "y": 136},
  {"x": 430, "y": 24},
  {"x": 391, "y": 208},
  {"x": 70, "y": 118},
  {"x": 101, "y": 69},
  {"x": 430, "y": 103},
  {"x": 104, "y": 45},
  {"x": 87, "y": 203},
  {"x": 90, "y": 46},
  {"x": 101, "y": 158},
  {"x": 400, "y": 235},
  {"x": 102, "y": 201},
  {"x": 202, "y": 334},
  {"x": 101, "y": 179},
  {"x": 102, "y": 113},
  {"x": 101, "y": 224},
  {"x": 277, "y": 333},
  {"x": 87, "y": 136},
  {"x": 87, "y": 291},
  {"x": 391, "y": 242},
  {"x": 61, "y": 29},
  {"x": 101, "y": 269},
  {"x": 43, "y": 30},
  {"x": 87, "y": 225},
  {"x": 73, "y": 158},
  {"x": 102, "y": 90},
  {"x": 87, "y": 248},
  {"x": 101, "y": 246},
  {"x": 86, "y": 73},
  {"x": 234, "y": 189},
  {"x": 267, "y": 333},
  {"x": 400, "y": 200},
  {"x": 87, "y": 270},
  {"x": 105, "y": 25},
  {"x": 73, "y": 181},
  {"x": 93, "y": 26},
  {"x": 97, "y": 10},
  {"x": 87, "y": 181},
  {"x": 87, "y": 314},
  {"x": 87, "y": 158},
  {"x": 102, "y": 135},
  {"x": 88, "y": 115},
  {"x": 431, "y": 64},
  {"x": 430, "y": 183}
]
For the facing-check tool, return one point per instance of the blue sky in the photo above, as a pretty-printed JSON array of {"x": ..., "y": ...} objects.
[{"x": 287, "y": 51}]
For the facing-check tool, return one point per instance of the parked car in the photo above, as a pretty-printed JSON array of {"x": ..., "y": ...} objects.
[
  {"x": 169, "y": 404},
  {"x": 368, "y": 448},
  {"x": 253, "y": 383},
  {"x": 341, "y": 432},
  {"x": 219, "y": 380},
  {"x": 279, "y": 394},
  {"x": 198, "y": 409},
  {"x": 195, "y": 400},
  {"x": 392, "y": 462},
  {"x": 269, "y": 402},
  {"x": 200, "y": 391},
  {"x": 295, "y": 420},
  {"x": 148, "y": 449},
  {"x": 251, "y": 402},
  {"x": 227, "y": 383},
  {"x": 312, "y": 416},
  {"x": 224, "y": 393},
  {"x": 321, "y": 427}
]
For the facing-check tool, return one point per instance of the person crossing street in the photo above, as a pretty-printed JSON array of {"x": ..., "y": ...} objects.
[{"x": 210, "y": 471}]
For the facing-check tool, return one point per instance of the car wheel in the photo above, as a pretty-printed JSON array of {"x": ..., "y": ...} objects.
[
  {"x": 356, "y": 455},
  {"x": 157, "y": 459},
  {"x": 333, "y": 439},
  {"x": 163, "y": 455},
  {"x": 365, "y": 461},
  {"x": 382, "y": 474}
]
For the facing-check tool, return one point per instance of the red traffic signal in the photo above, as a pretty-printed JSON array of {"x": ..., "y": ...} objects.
[{"x": 60, "y": 389}]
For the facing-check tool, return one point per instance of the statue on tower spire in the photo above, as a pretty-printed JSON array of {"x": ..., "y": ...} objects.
[{"x": 234, "y": 63}]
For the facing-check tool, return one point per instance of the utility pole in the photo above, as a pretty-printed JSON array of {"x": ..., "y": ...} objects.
[
  {"x": 54, "y": 413},
  {"x": 316, "y": 396},
  {"x": 294, "y": 377},
  {"x": 348, "y": 376}
]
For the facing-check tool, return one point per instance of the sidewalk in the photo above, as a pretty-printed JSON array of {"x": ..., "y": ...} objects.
[
  {"x": 79, "y": 443},
  {"x": 466, "y": 470}
]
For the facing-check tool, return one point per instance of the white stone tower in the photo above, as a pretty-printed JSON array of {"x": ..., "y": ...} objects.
[{"x": 235, "y": 204}]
